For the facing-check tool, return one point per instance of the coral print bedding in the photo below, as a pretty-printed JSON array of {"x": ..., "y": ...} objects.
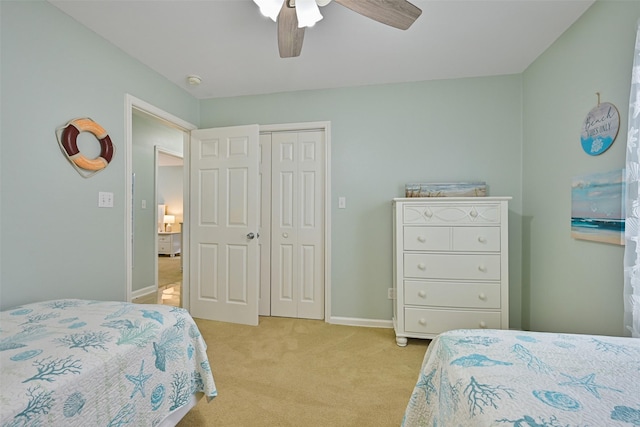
[
  {"x": 89, "y": 363},
  {"x": 526, "y": 379}
]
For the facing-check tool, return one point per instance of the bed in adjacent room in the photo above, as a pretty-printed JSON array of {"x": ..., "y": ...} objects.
[
  {"x": 527, "y": 379},
  {"x": 88, "y": 363}
]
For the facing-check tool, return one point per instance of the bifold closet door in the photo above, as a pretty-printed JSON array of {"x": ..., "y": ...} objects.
[
  {"x": 264, "y": 229},
  {"x": 297, "y": 224}
]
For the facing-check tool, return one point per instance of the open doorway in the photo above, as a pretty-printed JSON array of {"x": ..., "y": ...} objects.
[
  {"x": 147, "y": 127},
  {"x": 170, "y": 218}
]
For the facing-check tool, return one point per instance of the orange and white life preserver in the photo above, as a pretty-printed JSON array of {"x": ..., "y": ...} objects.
[{"x": 68, "y": 142}]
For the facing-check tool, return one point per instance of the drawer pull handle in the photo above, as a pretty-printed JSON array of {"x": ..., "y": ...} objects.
[
  {"x": 483, "y": 297},
  {"x": 422, "y": 266},
  {"x": 421, "y": 239},
  {"x": 428, "y": 213},
  {"x": 482, "y": 268},
  {"x": 285, "y": 235},
  {"x": 473, "y": 213},
  {"x": 482, "y": 239},
  {"x": 483, "y": 325},
  {"x": 422, "y": 294},
  {"x": 423, "y": 321}
]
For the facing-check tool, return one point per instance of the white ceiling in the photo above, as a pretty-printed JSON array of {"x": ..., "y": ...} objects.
[{"x": 233, "y": 47}]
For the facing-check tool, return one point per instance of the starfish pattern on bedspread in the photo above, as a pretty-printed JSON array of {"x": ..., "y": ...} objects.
[{"x": 138, "y": 380}]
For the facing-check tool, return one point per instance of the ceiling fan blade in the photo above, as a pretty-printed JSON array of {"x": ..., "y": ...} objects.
[
  {"x": 396, "y": 13},
  {"x": 290, "y": 37}
]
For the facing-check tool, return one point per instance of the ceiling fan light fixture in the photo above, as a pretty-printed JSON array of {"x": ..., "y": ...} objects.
[
  {"x": 307, "y": 13},
  {"x": 269, "y": 8},
  {"x": 296, "y": 15}
]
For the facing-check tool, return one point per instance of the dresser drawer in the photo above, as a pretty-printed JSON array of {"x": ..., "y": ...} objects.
[
  {"x": 452, "y": 294},
  {"x": 452, "y": 266},
  {"x": 164, "y": 247},
  {"x": 449, "y": 213},
  {"x": 461, "y": 239},
  {"x": 164, "y": 238},
  {"x": 430, "y": 321},
  {"x": 427, "y": 238},
  {"x": 476, "y": 239}
]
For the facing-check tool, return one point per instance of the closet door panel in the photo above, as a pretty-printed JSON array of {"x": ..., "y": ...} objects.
[{"x": 298, "y": 222}]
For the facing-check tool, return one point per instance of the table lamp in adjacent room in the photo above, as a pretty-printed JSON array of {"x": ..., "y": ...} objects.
[{"x": 168, "y": 220}]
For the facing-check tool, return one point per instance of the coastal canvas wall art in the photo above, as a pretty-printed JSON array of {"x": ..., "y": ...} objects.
[
  {"x": 446, "y": 189},
  {"x": 597, "y": 207}
]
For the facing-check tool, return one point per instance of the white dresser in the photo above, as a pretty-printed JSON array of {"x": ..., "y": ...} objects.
[
  {"x": 169, "y": 243},
  {"x": 450, "y": 265}
]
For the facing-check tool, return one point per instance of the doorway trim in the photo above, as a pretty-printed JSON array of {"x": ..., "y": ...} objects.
[
  {"x": 132, "y": 103},
  {"x": 326, "y": 126}
]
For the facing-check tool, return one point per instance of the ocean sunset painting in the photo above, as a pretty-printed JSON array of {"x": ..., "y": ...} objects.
[{"x": 597, "y": 207}]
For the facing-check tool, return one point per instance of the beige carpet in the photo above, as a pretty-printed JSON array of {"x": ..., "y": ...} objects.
[{"x": 295, "y": 372}]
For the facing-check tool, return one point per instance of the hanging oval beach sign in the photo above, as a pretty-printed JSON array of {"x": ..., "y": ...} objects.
[{"x": 600, "y": 129}]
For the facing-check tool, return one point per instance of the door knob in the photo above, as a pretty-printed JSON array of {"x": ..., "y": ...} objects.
[{"x": 250, "y": 236}]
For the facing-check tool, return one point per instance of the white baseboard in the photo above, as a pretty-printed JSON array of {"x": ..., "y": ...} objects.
[
  {"x": 353, "y": 321},
  {"x": 143, "y": 292}
]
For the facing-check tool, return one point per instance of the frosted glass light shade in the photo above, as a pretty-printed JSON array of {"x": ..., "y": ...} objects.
[
  {"x": 270, "y": 8},
  {"x": 307, "y": 13}
]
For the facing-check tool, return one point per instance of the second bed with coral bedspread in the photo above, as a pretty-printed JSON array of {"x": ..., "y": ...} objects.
[
  {"x": 89, "y": 363},
  {"x": 533, "y": 379}
]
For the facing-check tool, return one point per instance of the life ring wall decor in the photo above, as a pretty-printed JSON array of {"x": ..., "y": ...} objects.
[{"x": 68, "y": 140}]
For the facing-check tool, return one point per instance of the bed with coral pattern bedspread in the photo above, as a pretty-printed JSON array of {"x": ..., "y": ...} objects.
[
  {"x": 89, "y": 363},
  {"x": 527, "y": 379}
]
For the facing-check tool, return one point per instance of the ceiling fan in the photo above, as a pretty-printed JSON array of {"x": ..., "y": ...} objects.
[{"x": 293, "y": 16}]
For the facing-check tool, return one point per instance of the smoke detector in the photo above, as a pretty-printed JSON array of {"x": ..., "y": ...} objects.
[{"x": 194, "y": 80}]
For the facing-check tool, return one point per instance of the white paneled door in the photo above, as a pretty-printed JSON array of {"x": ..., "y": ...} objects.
[
  {"x": 297, "y": 224},
  {"x": 224, "y": 218},
  {"x": 264, "y": 243}
]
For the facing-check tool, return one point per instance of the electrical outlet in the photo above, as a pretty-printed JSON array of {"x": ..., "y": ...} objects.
[{"x": 391, "y": 293}]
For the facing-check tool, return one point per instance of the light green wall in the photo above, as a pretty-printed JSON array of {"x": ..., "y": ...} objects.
[
  {"x": 147, "y": 133},
  {"x": 171, "y": 191},
  {"x": 55, "y": 241},
  {"x": 383, "y": 137},
  {"x": 573, "y": 285}
]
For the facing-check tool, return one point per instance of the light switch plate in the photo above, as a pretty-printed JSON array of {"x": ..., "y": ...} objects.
[
  {"x": 342, "y": 202},
  {"x": 105, "y": 199}
]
